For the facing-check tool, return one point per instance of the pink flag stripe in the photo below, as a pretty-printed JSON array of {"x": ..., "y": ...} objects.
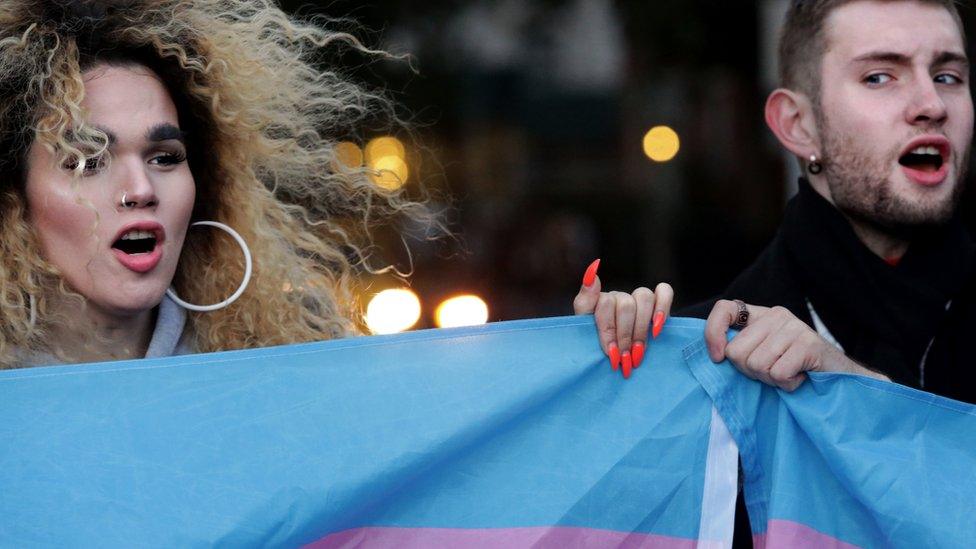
[
  {"x": 786, "y": 533},
  {"x": 556, "y": 537}
]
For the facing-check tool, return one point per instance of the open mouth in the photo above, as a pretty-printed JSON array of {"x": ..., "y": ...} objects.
[
  {"x": 136, "y": 242},
  {"x": 925, "y": 158}
]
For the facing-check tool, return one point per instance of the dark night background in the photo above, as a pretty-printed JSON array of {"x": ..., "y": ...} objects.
[{"x": 530, "y": 116}]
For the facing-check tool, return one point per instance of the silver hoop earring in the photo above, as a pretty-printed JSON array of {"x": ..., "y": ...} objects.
[
  {"x": 240, "y": 289},
  {"x": 125, "y": 203},
  {"x": 33, "y": 310},
  {"x": 814, "y": 166}
]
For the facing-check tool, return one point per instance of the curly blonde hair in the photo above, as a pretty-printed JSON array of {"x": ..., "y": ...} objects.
[{"x": 263, "y": 119}]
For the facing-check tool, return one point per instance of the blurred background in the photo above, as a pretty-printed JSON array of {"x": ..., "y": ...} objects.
[{"x": 561, "y": 131}]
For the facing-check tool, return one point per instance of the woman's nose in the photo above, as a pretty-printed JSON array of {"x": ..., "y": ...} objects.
[{"x": 136, "y": 189}]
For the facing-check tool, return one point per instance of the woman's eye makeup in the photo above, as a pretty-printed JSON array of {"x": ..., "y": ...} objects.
[
  {"x": 169, "y": 158},
  {"x": 96, "y": 163},
  {"x": 92, "y": 165}
]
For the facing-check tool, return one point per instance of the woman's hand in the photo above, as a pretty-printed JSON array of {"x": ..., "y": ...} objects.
[
  {"x": 623, "y": 319},
  {"x": 775, "y": 346}
]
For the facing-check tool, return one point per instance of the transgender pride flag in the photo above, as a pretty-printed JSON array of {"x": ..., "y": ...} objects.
[{"x": 508, "y": 435}]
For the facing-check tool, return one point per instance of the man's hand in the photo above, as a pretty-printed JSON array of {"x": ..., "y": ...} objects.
[
  {"x": 775, "y": 347},
  {"x": 623, "y": 319}
]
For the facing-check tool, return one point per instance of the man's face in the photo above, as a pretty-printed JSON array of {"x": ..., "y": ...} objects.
[{"x": 895, "y": 114}]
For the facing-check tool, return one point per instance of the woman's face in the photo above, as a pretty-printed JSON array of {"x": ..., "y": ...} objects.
[{"x": 121, "y": 259}]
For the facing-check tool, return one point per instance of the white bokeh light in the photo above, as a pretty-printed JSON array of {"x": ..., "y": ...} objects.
[
  {"x": 464, "y": 310},
  {"x": 392, "y": 311}
]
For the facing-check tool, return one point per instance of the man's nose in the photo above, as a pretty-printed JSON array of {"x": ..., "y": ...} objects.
[{"x": 926, "y": 106}]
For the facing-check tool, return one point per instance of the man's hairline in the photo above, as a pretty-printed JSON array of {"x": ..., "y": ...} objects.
[{"x": 814, "y": 96}]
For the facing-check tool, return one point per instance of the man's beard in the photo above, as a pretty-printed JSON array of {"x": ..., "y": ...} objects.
[{"x": 860, "y": 188}]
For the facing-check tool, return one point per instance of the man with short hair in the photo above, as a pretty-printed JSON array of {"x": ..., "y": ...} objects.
[
  {"x": 871, "y": 271},
  {"x": 875, "y": 105}
]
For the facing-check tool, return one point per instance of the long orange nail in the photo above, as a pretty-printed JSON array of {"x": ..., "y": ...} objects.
[
  {"x": 590, "y": 275},
  {"x": 658, "y": 324},
  {"x": 637, "y": 350},
  {"x": 628, "y": 365},
  {"x": 614, "y": 356}
]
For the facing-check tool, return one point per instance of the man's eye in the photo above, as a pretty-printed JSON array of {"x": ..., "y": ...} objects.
[
  {"x": 877, "y": 79},
  {"x": 946, "y": 78}
]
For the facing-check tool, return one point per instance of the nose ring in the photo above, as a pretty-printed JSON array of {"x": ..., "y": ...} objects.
[{"x": 125, "y": 203}]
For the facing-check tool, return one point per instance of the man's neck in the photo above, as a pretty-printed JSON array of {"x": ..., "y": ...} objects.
[{"x": 883, "y": 244}]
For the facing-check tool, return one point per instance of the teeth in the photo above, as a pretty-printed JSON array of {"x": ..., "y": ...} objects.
[
  {"x": 137, "y": 235},
  {"x": 926, "y": 150}
]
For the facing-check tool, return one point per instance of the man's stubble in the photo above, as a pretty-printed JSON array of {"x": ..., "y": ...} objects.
[{"x": 860, "y": 188}]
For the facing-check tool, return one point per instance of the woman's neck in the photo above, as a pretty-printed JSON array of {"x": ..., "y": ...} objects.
[{"x": 97, "y": 335}]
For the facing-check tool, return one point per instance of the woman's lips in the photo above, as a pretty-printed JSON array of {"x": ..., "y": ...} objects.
[{"x": 140, "y": 263}]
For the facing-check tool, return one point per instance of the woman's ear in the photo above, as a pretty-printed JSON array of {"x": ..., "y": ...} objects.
[{"x": 790, "y": 117}]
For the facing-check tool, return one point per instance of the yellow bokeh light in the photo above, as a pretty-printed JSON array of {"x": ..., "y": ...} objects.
[
  {"x": 391, "y": 172},
  {"x": 392, "y": 311},
  {"x": 349, "y": 154},
  {"x": 464, "y": 310},
  {"x": 381, "y": 147},
  {"x": 661, "y": 143}
]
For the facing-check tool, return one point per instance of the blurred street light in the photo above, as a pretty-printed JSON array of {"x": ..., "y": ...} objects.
[
  {"x": 391, "y": 172},
  {"x": 661, "y": 143},
  {"x": 392, "y": 311},
  {"x": 381, "y": 147},
  {"x": 464, "y": 310},
  {"x": 349, "y": 154},
  {"x": 387, "y": 157}
]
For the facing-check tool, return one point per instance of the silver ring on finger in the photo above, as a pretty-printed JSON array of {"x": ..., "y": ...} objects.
[{"x": 741, "y": 316}]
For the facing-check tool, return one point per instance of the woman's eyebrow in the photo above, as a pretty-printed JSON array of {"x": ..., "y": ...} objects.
[
  {"x": 165, "y": 132},
  {"x": 155, "y": 134}
]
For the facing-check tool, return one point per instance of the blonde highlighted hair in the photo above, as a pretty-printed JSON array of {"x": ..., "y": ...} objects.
[{"x": 263, "y": 119}]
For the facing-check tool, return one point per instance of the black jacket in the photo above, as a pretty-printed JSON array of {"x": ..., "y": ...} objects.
[{"x": 892, "y": 319}]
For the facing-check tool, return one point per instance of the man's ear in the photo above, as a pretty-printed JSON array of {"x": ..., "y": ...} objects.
[{"x": 790, "y": 116}]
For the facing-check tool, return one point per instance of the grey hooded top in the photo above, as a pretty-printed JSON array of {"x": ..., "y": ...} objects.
[{"x": 168, "y": 338}]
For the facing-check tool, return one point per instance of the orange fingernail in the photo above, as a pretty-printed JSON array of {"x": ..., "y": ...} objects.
[
  {"x": 614, "y": 356},
  {"x": 590, "y": 275},
  {"x": 637, "y": 350},
  {"x": 658, "y": 324},
  {"x": 628, "y": 366}
]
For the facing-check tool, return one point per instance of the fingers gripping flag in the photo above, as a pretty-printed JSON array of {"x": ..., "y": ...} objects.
[{"x": 508, "y": 435}]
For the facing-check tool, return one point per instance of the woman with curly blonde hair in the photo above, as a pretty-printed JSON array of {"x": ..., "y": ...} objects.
[{"x": 124, "y": 123}]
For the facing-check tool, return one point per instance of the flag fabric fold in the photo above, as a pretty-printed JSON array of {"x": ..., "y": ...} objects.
[
  {"x": 514, "y": 434},
  {"x": 848, "y": 461}
]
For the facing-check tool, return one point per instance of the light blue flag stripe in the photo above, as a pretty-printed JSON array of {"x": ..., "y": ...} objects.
[
  {"x": 849, "y": 460},
  {"x": 515, "y": 429}
]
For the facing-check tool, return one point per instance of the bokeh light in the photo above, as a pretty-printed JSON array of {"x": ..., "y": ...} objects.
[
  {"x": 661, "y": 143},
  {"x": 463, "y": 310},
  {"x": 382, "y": 147},
  {"x": 349, "y": 154},
  {"x": 392, "y": 311},
  {"x": 391, "y": 172},
  {"x": 387, "y": 157}
]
